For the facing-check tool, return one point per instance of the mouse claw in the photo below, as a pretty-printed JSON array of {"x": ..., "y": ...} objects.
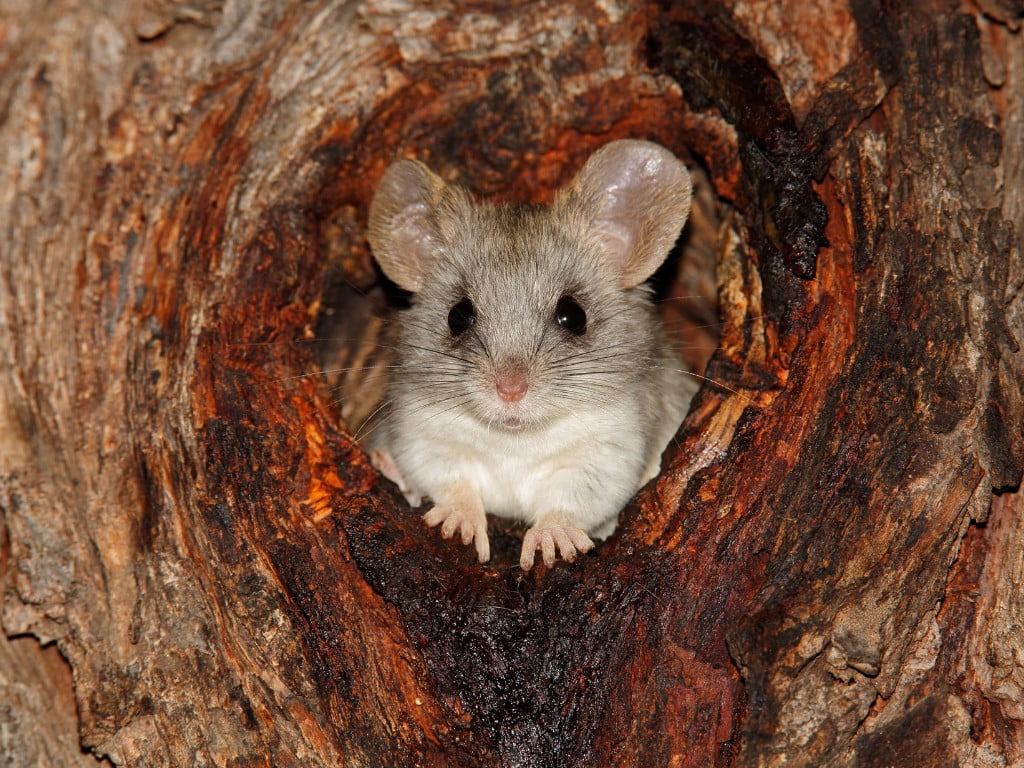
[
  {"x": 470, "y": 524},
  {"x": 551, "y": 535}
]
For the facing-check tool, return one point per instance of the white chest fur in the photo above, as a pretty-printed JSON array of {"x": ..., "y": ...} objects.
[{"x": 586, "y": 464}]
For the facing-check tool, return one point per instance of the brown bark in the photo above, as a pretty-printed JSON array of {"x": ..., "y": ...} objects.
[{"x": 826, "y": 573}]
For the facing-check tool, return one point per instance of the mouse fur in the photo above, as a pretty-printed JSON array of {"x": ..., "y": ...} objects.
[{"x": 534, "y": 380}]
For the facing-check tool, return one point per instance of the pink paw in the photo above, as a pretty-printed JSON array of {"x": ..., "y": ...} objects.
[
  {"x": 471, "y": 523},
  {"x": 386, "y": 465},
  {"x": 550, "y": 534}
]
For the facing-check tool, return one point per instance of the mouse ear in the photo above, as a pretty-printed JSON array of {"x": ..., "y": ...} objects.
[
  {"x": 401, "y": 229},
  {"x": 634, "y": 197}
]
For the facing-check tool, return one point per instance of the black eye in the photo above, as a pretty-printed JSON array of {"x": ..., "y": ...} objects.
[
  {"x": 461, "y": 316},
  {"x": 570, "y": 315}
]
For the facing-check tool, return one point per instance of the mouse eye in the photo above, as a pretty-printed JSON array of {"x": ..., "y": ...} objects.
[
  {"x": 570, "y": 315},
  {"x": 461, "y": 317}
]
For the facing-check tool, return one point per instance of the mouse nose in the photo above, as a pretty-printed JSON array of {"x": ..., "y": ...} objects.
[{"x": 511, "y": 383}]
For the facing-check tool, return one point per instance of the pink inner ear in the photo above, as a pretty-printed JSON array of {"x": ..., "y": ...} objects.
[
  {"x": 617, "y": 241},
  {"x": 410, "y": 223}
]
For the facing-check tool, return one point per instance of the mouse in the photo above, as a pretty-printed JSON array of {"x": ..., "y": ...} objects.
[{"x": 533, "y": 379}]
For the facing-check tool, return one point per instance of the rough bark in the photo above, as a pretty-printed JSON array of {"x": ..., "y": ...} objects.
[{"x": 828, "y": 569}]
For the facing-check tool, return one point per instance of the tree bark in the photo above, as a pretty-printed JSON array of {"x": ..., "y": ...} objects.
[{"x": 826, "y": 573}]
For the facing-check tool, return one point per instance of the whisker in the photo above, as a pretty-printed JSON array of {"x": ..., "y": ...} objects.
[
  {"x": 429, "y": 399},
  {"x": 360, "y": 432},
  {"x": 718, "y": 384},
  {"x": 438, "y": 352},
  {"x": 540, "y": 341},
  {"x": 410, "y": 322},
  {"x": 687, "y": 297},
  {"x": 483, "y": 345},
  {"x": 582, "y": 358},
  {"x": 447, "y": 410},
  {"x": 331, "y": 371},
  {"x": 572, "y": 373},
  {"x": 705, "y": 326},
  {"x": 304, "y": 340}
]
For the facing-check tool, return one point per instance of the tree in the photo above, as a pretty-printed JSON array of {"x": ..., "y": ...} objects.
[{"x": 825, "y": 573}]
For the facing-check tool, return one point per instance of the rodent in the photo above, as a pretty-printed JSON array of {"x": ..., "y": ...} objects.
[{"x": 533, "y": 377}]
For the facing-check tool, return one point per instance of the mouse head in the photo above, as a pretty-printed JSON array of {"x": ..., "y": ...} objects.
[{"x": 531, "y": 299}]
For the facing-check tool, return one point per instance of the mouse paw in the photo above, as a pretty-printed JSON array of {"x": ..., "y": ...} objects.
[
  {"x": 386, "y": 465},
  {"x": 469, "y": 521},
  {"x": 553, "y": 533}
]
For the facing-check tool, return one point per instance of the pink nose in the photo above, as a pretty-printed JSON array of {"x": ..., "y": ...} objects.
[{"x": 511, "y": 385}]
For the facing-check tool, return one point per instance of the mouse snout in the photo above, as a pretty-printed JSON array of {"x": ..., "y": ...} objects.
[{"x": 512, "y": 382}]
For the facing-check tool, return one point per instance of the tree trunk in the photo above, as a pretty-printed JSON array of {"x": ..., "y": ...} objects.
[{"x": 826, "y": 573}]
